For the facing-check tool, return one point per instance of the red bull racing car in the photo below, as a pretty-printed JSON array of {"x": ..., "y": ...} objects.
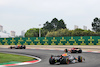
[
  {"x": 18, "y": 47},
  {"x": 74, "y": 50},
  {"x": 65, "y": 59}
]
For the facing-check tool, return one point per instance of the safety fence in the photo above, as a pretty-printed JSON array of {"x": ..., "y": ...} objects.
[{"x": 73, "y": 40}]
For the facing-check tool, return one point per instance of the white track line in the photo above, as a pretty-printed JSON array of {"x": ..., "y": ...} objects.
[{"x": 23, "y": 63}]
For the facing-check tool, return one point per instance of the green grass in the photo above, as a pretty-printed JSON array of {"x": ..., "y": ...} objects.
[{"x": 4, "y": 58}]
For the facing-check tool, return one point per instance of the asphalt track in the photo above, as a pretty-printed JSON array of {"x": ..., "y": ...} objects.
[{"x": 92, "y": 59}]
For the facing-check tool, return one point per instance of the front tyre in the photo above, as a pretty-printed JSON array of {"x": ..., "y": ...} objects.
[
  {"x": 79, "y": 58},
  {"x": 11, "y": 47},
  {"x": 80, "y": 51},
  {"x": 24, "y": 47},
  {"x": 64, "y": 61}
]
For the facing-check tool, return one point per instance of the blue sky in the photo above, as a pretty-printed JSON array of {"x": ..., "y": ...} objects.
[{"x": 18, "y": 15}]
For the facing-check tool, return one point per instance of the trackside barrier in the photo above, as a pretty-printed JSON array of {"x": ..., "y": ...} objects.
[{"x": 73, "y": 40}]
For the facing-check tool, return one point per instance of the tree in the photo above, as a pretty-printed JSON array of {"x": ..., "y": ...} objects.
[
  {"x": 61, "y": 24},
  {"x": 48, "y": 26},
  {"x": 54, "y": 25},
  {"x": 33, "y": 32},
  {"x": 96, "y": 24},
  {"x": 43, "y": 32}
]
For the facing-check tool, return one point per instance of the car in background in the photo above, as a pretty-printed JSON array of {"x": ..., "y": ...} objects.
[
  {"x": 74, "y": 50},
  {"x": 18, "y": 47}
]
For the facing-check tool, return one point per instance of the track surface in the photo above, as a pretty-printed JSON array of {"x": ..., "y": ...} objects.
[{"x": 92, "y": 59}]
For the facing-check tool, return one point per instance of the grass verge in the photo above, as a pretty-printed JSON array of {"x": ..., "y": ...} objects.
[{"x": 4, "y": 58}]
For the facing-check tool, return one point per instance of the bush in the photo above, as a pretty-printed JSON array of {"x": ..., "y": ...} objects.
[{"x": 76, "y": 32}]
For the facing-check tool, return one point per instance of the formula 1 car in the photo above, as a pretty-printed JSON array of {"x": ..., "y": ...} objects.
[
  {"x": 74, "y": 50},
  {"x": 18, "y": 47},
  {"x": 65, "y": 59}
]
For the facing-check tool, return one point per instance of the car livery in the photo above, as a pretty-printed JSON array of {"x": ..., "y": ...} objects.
[
  {"x": 18, "y": 47},
  {"x": 67, "y": 59},
  {"x": 74, "y": 50}
]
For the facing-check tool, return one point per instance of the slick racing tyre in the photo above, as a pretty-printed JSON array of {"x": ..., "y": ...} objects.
[
  {"x": 64, "y": 61},
  {"x": 80, "y": 51},
  {"x": 11, "y": 47},
  {"x": 51, "y": 61},
  {"x": 24, "y": 47},
  {"x": 67, "y": 61},
  {"x": 79, "y": 58}
]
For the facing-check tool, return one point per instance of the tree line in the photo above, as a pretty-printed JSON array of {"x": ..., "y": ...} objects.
[{"x": 57, "y": 28}]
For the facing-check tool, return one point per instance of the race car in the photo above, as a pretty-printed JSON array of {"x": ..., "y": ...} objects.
[
  {"x": 74, "y": 50},
  {"x": 18, "y": 47},
  {"x": 65, "y": 59}
]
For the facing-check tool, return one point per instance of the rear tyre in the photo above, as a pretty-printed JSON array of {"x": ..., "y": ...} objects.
[
  {"x": 79, "y": 58},
  {"x": 51, "y": 61}
]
